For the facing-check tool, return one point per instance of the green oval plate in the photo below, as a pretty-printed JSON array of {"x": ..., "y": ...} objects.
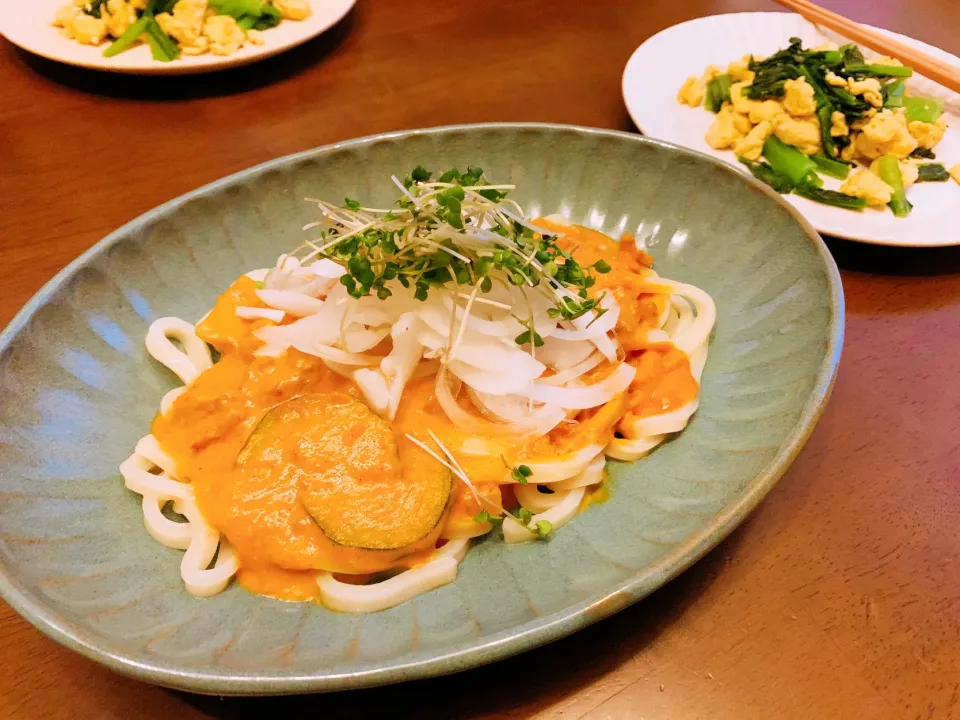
[{"x": 78, "y": 389}]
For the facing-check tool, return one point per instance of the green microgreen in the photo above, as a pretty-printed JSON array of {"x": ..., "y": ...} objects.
[{"x": 455, "y": 230}]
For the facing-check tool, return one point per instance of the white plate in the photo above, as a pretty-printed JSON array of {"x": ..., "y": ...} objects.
[
  {"x": 659, "y": 66},
  {"x": 26, "y": 23}
]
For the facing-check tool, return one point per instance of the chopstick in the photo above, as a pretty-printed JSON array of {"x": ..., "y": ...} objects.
[{"x": 937, "y": 70}]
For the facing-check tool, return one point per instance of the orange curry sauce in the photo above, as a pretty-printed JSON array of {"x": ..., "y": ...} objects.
[{"x": 263, "y": 514}]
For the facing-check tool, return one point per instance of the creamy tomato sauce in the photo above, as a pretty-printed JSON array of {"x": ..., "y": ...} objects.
[{"x": 260, "y": 503}]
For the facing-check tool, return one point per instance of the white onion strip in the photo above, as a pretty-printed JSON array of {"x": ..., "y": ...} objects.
[{"x": 581, "y": 398}]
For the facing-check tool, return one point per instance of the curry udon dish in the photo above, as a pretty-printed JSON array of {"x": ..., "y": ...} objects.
[{"x": 412, "y": 378}]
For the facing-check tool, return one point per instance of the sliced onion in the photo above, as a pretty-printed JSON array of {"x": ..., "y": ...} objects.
[
  {"x": 358, "y": 338},
  {"x": 327, "y": 268},
  {"x": 295, "y": 303},
  {"x": 581, "y": 398},
  {"x": 254, "y": 313},
  {"x": 542, "y": 421},
  {"x": 562, "y": 354},
  {"x": 565, "y": 376},
  {"x": 606, "y": 346},
  {"x": 327, "y": 352},
  {"x": 496, "y": 382}
]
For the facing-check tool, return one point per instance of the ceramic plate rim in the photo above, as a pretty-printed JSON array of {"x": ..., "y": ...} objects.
[
  {"x": 510, "y": 641},
  {"x": 210, "y": 63},
  {"x": 833, "y": 231}
]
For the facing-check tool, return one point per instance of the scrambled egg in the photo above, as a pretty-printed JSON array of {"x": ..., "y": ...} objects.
[
  {"x": 798, "y": 98},
  {"x": 293, "y": 9},
  {"x": 118, "y": 15},
  {"x": 838, "y": 124},
  {"x": 741, "y": 103},
  {"x": 226, "y": 37},
  {"x": 691, "y": 92},
  {"x": 751, "y": 147},
  {"x": 766, "y": 110},
  {"x": 927, "y": 134},
  {"x": 869, "y": 88},
  {"x": 835, "y": 80},
  {"x": 849, "y": 153},
  {"x": 955, "y": 173},
  {"x": 886, "y": 134},
  {"x": 803, "y": 134},
  {"x": 740, "y": 70},
  {"x": 866, "y": 185},
  {"x": 723, "y": 132},
  {"x": 185, "y": 25},
  {"x": 76, "y": 25}
]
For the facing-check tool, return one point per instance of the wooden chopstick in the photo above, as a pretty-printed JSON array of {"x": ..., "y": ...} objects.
[{"x": 937, "y": 70}]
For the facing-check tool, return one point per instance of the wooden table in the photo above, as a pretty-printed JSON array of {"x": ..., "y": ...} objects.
[{"x": 839, "y": 598}]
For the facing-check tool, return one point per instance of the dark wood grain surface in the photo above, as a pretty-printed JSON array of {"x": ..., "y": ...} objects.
[{"x": 838, "y": 598}]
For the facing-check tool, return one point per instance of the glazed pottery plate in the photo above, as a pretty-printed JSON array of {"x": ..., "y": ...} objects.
[
  {"x": 79, "y": 389},
  {"x": 28, "y": 25},
  {"x": 650, "y": 90}
]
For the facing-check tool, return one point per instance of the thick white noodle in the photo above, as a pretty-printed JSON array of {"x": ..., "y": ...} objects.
[
  {"x": 439, "y": 571},
  {"x": 558, "y": 516},
  {"x": 687, "y": 323},
  {"x": 188, "y": 363},
  {"x": 150, "y": 472}
]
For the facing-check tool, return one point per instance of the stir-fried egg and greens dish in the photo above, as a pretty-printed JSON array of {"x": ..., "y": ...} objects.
[
  {"x": 800, "y": 114},
  {"x": 174, "y": 27}
]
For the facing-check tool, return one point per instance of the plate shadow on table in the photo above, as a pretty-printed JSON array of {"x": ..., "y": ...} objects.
[
  {"x": 903, "y": 261},
  {"x": 515, "y": 687},
  {"x": 219, "y": 83}
]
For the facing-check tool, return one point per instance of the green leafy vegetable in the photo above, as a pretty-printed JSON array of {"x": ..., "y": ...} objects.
[
  {"x": 431, "y": 238},
  {"x": 93, "y": 7},
  {"x": 521, "y": 474},
  {"x": 888, "y": 168},
  {"x": 932, "y": 172},
  {"x": 525, "y": 516},
  {"x": 922, "y": 152},
  {"x": 544, "y": 527},
  {"x": 484, "y": 517}
]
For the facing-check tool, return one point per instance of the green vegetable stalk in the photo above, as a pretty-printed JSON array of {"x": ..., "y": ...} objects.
[
  {"x": 893, "y": 94},
  {"x": 787, "y": 160},
  {"x": 831, "y": 197},
  {"x": 718, "y": 92},
  {"x": 833, "y": 168},
  {"x": 923, "y": 109},
  {"x": 888, "y": 167},
  {"x": 899, "y": 71},
  {"x": 766, "y": 174},
  {"x": 129, "y": 36}
]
